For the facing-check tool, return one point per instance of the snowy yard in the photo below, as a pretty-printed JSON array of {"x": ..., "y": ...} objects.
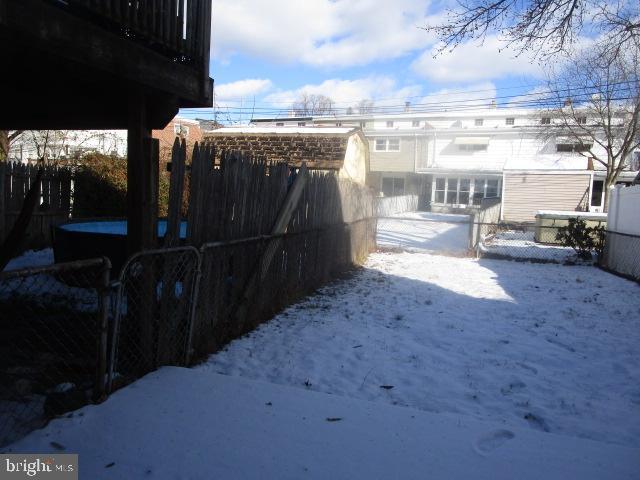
[
  {"x": 547, "y": 347},
  {"x": 425, "y": 232}
]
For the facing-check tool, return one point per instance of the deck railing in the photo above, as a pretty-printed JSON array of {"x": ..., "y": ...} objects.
[{"x": 180, "y": 29}]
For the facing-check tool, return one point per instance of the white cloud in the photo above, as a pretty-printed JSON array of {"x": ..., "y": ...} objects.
[
  {"x": 382, "y": 89},
  {"x": 474, "y": 62},
  {"x": 322, "y": 33},
  {"x": 242, "y": 89},
  {"x": 479, "y": 94}
]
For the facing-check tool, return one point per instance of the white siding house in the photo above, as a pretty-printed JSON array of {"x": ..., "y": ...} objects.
[{"x": 455, "y": 159}]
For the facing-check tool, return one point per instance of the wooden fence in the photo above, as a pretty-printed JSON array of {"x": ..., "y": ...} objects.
[
  {"x": 267, "y": 236},
  {"x": 52, "y": 209}
]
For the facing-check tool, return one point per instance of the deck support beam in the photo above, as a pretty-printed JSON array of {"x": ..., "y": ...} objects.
[{"x": 142, "y": 178}]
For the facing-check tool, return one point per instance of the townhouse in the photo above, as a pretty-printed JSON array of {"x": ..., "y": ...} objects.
[{"x": 453, "y": 160}]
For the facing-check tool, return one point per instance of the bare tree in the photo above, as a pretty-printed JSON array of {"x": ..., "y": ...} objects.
[
  {"x": 7, "y": 137},
  {"x": 365, "y": 106},
  {"x": 598, "y": 98},
  {"x": 311, "y": 104},
  {"x": 544, "y": 26}
]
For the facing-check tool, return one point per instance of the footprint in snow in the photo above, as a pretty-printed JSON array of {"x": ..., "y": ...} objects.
[{"x": 491, "y": 441}]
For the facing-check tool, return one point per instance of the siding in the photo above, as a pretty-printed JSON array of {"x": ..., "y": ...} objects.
[
  {"x": 525, "y": 194},
  {"x": 402, "y": 161}
]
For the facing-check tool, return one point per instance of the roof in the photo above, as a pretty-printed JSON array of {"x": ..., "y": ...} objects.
[
  {"x": 253, "y": 130},
  {"x": 320, "y": 148}
]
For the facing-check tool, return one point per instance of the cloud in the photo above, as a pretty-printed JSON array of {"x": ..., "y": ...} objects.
[
  {"x": 479, "y": 94},
  {"x": 320, "y": 33},
  {"x": 242, "y": 89},
  {"x": 345, "y": 93},
  {"x": 474, "y": 62}
]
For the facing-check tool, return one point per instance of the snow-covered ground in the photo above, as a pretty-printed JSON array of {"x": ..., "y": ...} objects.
[
  {"x": 191, "y": 424},
  {"x": 541, "y": 346},
  {"x": 522, "y": 245},
  {"x": 425, "y": 232}
]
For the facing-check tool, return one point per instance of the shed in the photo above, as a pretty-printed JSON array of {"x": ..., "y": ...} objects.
[{"x": 339, "y": 149}]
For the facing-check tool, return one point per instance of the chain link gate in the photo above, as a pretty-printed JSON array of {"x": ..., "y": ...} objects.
[{"x": 153, "y": 325}]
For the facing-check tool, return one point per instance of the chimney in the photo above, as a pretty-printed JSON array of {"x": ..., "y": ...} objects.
[
  {"x": 407, "y": 106},
  {"x": 494, "y": 104}
]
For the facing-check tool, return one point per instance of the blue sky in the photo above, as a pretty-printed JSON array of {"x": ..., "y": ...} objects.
[{"x": 265, "y": 53}]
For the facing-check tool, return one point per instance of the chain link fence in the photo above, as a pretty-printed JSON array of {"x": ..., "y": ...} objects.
[
  {"x": 53, "y": 342},
  {"x": 535, "y": 243},
  {"x": 156, "y": 294}
]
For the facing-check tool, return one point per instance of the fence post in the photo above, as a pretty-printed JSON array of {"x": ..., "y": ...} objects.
[
  {"x": 3, "y": 173},
  {"x": 103, "y": 364}
]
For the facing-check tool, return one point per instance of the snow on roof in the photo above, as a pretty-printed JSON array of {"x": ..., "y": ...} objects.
[
  {"x": 571, "y": 214},
  {"x": 250, "y": 129}
]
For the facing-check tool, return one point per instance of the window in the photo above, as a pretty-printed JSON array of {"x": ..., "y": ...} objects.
[
  {"x": 387, "y": 145},
  {"x": 472, "y": 147},
  {"x": 452, "y": 190},
  {"x": 492, "y": 188},
  {"x": 573, "y": 147},
  {"x": 363, "y": 124},
  {"x": 440, "y": 188},
  {"x": 465, "y": 191},
  {"x": 415, "y": 123},
  {"x": 392, "y": 186},
  {"x": 510, "y": 121},
  {"x": 338, "y": 124},
  {"x": 390, "y": 124},
  {"x": 479, "y": 122},
  {"x": 581, "y": 120},
  {"x": 279, "y": 124},
  {"x": 180, "y": 129},
  {"x": 478, "y": 191},
  {"x": 596, "y": 193},
  {"x": 545, "y": 121},
  {"x": 301, "y": 124}
]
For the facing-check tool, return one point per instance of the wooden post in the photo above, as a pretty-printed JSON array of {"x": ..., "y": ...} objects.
[
  {"x": 3, "y": 172},
  {"x": 282, "y": 221},
  {"x": 142, "y": 179}
]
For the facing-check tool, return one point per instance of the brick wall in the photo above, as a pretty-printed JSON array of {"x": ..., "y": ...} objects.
[{"x": 168, "y": 135}]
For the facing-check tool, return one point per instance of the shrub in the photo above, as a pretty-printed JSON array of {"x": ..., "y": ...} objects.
[
  {"x": 583, "y": 239},
  {"x": 100, "y": 187}
]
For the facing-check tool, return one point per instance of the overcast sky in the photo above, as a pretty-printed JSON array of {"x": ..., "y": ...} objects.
[{"x": 265, "y": 52}]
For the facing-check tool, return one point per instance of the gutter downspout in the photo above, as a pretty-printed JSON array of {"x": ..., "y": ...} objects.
[{"x": 504, "y": 178}]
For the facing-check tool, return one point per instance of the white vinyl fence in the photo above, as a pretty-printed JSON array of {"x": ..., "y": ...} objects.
[{"x": 622, "y": 250}]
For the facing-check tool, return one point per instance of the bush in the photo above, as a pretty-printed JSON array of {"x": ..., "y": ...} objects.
[
  {"x": 583, "y": 239},
  {"x": 100, "y": 188}
]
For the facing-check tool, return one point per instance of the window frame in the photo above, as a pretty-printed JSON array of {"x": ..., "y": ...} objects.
[
  {"x": 478, "y": 122},
  {"x": 510, "y": 121},
  {"x": 471, "y": 194},
  {"x": 387, "y": 142}
]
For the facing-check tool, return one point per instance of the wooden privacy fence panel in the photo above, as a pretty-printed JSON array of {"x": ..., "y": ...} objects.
[
  {"x": 52, "y": 209},
  {"x": 250, "y": 267}
]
